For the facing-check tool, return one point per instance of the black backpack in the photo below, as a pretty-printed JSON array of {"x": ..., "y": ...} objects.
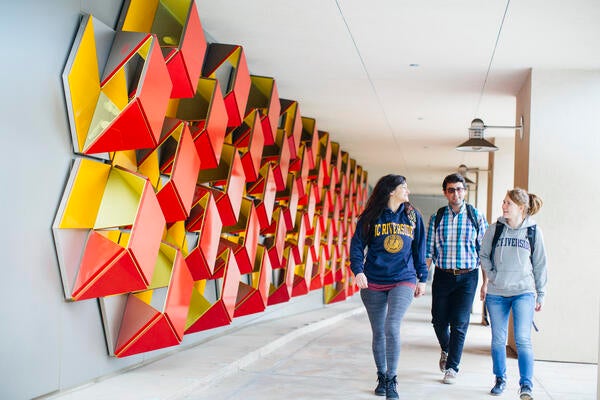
[
  {"x": 498, "y": 232},
  {"x": 470, "y": 213}
]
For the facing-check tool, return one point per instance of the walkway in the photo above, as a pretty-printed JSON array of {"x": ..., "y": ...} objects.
[{"x": 326, "y": 355}]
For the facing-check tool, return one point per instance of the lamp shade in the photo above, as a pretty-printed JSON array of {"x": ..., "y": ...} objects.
[
  {"x": 476, "y": 141},
  {"x": 462, "y": 171}
]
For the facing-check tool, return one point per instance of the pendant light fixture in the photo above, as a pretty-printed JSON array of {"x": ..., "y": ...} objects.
[{"x": 476, "y": 140}]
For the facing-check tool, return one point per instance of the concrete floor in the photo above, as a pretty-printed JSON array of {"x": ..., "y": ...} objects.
[{"x": 326, "y": 355}]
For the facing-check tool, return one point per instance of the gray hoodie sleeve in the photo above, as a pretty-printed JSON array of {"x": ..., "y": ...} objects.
[
  {"x": 486, "y": 249},
  {"x": 540, "y": 266}
]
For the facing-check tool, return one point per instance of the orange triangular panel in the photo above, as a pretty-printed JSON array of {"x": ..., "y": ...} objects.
[{"x": 105, "y": 269}]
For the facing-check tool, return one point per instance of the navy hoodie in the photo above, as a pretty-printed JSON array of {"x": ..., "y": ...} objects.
[{"x": 395, "y": 248}]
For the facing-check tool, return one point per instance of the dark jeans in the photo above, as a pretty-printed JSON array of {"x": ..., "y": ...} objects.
[
  {"x": 386, "y": 310},
  {"x": 452, "y": 300}
]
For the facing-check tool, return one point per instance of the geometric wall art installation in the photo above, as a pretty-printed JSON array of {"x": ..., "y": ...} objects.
[
  {"x": 156, "y": 317},
  {"x": 253, "y": 295},
  {"x": 207, "y": 117},
  {"x": 264, "y": 98},
  {"x": 243, "y": 238},
  {"x": 196, "y": 194},
  {"x": 204, "y": 232},
  {"x": 249, "y": 140},
  {"x": 120, "y": 226},
  {"x": 282, "y": 283},
  {"x": 227, "y": 64},
  {"x": 279, "y": 156},
  {"x": 213, "y": 302},
  {"x": 264, "y": 192},
  {"x": 227, "y": 183},
  {"x": 274, "y": 236},
  {"x": 180, "y": 35},
  {"x": 121, "y": 104},
  {"x": 174, "y": 165},
  {"x": 291, "y": 124}
]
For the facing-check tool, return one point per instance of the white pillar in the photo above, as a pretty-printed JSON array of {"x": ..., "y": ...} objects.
[{"x": 558, "y": 158}]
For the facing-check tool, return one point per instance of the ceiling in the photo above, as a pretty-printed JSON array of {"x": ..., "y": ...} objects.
[{"x": 397, "y": 82}]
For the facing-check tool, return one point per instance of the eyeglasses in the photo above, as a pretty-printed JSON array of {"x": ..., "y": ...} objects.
[{"x": 457, "y": 189}]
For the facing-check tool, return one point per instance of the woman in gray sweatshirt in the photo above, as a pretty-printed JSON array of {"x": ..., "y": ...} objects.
[{"x": 514, "y": 259}]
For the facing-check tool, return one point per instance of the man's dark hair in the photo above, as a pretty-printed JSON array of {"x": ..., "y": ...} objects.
[{"x": 453, "y": 178}]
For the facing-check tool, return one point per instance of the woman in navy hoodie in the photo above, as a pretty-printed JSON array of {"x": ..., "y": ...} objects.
[{"x": 392, "y": 272}]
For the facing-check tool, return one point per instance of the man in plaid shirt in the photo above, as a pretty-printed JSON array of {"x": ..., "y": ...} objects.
[{"x": 453, "y": 246}]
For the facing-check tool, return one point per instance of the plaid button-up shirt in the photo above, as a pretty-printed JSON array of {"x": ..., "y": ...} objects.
[{"x": 453, "y": 245}]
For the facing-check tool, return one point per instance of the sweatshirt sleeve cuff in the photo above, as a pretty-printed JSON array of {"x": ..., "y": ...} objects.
[{"x": 540, "y": 298}]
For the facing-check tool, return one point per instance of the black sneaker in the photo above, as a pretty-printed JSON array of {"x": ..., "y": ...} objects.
[
  {"x": 499, "y": 386},
  {"x": 380, "y": 389},
  {"x": 525, "y": 393},
  {"x": 391, "y": 393}
]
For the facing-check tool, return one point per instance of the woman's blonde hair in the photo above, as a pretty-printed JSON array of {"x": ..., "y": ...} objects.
[{"x": 531, "y": 202}]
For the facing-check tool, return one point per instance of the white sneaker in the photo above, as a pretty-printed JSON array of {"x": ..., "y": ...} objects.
[
  {"x": 449, "y": 376},
  {"x": 525, "y": 393}
]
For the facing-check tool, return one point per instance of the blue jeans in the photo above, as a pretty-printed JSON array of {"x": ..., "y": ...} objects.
[
  {"x": 451, "y": 303},
  {"x": 522, "y": 307},
  {"x": 386, "y": 310}
]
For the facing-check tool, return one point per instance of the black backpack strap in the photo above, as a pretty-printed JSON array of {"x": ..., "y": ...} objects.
[
  {"x": 531, "y": 239},
  {"x": 438, "y": 216},
  {"x": 475, "y": 222},
  {"x": 438, "y": 219},
  {"x": 473, "y": 217},
  {"x": 497, "y": 233}
]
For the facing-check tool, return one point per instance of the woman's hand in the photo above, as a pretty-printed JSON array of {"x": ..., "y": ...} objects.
[
  {"x": 483, "y": 291},
  {"x": 538, "y": 307},
  {"x": 361, "y": 281},
  {"x": 420, "y": 289}
]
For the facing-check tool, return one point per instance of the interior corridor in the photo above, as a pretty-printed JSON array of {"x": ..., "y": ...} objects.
[{"x": 326, "y": 354}]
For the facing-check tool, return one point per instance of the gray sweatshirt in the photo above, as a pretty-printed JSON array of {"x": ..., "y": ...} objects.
[{"x": 512, "y": 272}]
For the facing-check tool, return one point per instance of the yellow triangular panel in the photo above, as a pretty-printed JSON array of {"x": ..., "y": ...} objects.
[
  {"x": 116, "y": 89},
  {"x": 121, "y": 199},
  {"x": 84, "y": 83},
  {"x": 86, "y": 194},
  {"x": 140, "y": 15}
]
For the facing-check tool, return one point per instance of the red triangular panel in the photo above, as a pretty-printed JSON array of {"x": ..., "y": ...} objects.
[
  {"x": 214, "y": 317},
  {"x": 157, "y": 334},
  {"x": 105, "y": 269},
  {"x": 128, "y": 131}
]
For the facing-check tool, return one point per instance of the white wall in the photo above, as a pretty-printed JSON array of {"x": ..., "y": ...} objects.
[
  {"x": 46, "y": 343},
  {"x": 562, "y": 167},
  {"x": 42, "y": 337}
]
